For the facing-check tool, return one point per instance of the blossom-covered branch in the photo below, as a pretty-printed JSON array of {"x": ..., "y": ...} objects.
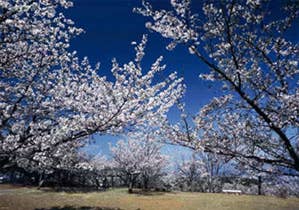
[
  {"x": 250, "y": 53},
  {"x": 50, "y": 100}
]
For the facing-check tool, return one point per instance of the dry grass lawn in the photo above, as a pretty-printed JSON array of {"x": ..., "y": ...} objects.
[{"x": 21, "y": 198}]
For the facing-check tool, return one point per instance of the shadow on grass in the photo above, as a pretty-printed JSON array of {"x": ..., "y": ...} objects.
[
  {"x": 148, "y": 192},
  {"x": 78, "y": 208},
  {"x": 71, "y": 190}
]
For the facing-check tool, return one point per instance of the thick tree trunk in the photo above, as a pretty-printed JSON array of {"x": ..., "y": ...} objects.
[
  {"x": 130, "y": 190},
  {"x": 41, "y": 180},
  {"x": 259, "y": 185},
  {"x": 131, "y": 183},
  {"x": 97, "y": 182},
  {"x": 145, "y": 182},
  {"x": 105, "y": 183},
  {"x": 210, "y": 184},
  {"x": 112, "y": 181}
]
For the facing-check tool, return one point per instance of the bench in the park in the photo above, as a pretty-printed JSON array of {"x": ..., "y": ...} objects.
[{"x": 238, "y": 192}]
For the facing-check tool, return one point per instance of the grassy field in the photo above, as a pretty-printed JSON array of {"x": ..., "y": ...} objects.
[{"x": 21, "y": 198}]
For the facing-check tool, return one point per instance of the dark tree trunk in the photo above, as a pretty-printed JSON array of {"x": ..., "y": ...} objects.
[
  {"x": 105, "y": 183},
  {"x": 97, "y": 182},
  {"x": 130, "y": 190},
  {"x": 259, "y": 185},
  {"x": 112, "y": 181},
  {"x": 131, "y": 183},
  {"x": 145, "y": 182},
  {"x": 41, "y": 180}
]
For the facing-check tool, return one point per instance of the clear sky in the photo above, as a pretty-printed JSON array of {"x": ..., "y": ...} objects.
[{"x": 110, "y": 27}]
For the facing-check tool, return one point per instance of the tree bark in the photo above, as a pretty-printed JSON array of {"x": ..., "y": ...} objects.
[{"x": 259, "y": 185}]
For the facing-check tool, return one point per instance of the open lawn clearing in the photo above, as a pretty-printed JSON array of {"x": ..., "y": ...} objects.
[{"x": 23, "y": 198}]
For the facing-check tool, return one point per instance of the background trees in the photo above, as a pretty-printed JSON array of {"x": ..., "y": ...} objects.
[
  {"x": 51, "y": 101},
  {"x": 139, "y": 158},
  {"x": 248, "y": 50},
  {"x": 204, "y": 172},
  {"x": 189, "y": 172}
]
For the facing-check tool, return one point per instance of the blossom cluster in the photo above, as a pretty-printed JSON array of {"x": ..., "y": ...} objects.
[{"x": 51, "y": 101}]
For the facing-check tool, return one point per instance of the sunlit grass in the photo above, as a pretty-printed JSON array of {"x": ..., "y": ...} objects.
[{"x": 31, "y": 198}]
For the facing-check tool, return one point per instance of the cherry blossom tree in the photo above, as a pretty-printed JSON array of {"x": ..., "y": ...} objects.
[
  {"x": 283, "y": 186},
  {"x": 190, "y": 171},
  {"x": 50, "y": 100},
  {"x": 203, "y": 171},
  {"x": 248, "y": 50},
  {"x": 216, "y": 167},
  {"x": 139, "y": 158},
  {"x": 104, "y": 169}
]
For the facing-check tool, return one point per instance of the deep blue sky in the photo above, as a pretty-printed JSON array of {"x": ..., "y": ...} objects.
[{"x": 110, "y": 27}]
